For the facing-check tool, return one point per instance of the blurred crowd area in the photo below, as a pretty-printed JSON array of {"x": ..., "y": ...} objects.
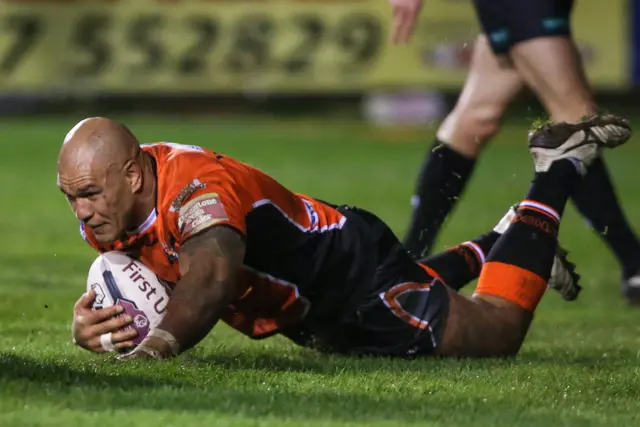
[{"x": 268, "y": 55}]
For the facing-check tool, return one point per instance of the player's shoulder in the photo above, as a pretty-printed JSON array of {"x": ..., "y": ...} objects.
[
  {"x": 174, "y": 154},
  {"x": 184, "y": 172},
  {"x": 178, "y": 164}
]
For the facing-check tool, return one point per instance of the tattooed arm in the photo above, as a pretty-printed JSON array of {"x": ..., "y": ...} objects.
[{"x": 209, "y": 262}]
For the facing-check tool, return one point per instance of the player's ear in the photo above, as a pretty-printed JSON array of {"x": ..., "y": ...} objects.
[{"x": 133, "y": 173}]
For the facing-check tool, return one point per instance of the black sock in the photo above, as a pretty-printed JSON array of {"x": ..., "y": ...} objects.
[
  {"x": 530, "y": 242},
  {"x": 443, "y": 177},
  {"x": 461, "y": 264},
  {"x": 596, "y": 199}
]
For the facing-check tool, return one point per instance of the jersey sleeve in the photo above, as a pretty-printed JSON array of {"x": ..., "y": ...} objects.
[{"x": 209, "y": 203}]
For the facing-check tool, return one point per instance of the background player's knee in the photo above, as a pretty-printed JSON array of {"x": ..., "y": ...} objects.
[
  {"x": 469, "y": 127},
  {"x": 489, "y": 88},
  {"x": 552, "y": 68}
]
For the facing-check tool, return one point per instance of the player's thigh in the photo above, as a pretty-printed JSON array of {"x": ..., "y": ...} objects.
[
  {"x": 509, "y": 22},
  {"x": 545, "y": 55},
  {"x": 491, "y": 84},
  {"x": 552, "y": 68},
  {"x": 493, "y": 16},
  {"x": 404, "y": 312},
  {"x": 532, "y": 19}
]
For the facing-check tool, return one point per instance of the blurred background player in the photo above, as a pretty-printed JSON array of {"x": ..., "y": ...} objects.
[{"x": 526, "y": 43}]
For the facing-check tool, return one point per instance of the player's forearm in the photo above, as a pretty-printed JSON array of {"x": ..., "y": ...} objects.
[
  {"x": 209, "y": 263},
  {"x": 196, "y": 306}
]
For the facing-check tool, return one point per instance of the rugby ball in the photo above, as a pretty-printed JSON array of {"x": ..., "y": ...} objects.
[{"x": 119, "y": 279}]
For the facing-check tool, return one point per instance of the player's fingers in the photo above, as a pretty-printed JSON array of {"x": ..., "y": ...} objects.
[
  {"x": 400, "y": 26},
  {"x": 124, "y": 336},
  {"x": 103, "y": 314},
  {"x": 86, "y": 300},
  {"x": 397, "y": 25},
  {"x": 95, "y": 345},
  {"x": 408, "y": 22},
  {"x": 111, "y": 325}
]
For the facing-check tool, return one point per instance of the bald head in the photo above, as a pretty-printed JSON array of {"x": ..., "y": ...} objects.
[
  {"x": 101, "y": 170},
  {"x": 98, "y": 142}
]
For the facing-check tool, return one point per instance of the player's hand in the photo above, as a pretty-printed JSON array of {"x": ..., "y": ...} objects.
[
  {"x": 150, "y": 348},
  {"x": 100, "y": 330},
  {"x": 405, "y": 14}
]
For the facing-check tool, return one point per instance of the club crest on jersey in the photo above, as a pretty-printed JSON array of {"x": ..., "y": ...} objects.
[{"x": 186, "y": 191}]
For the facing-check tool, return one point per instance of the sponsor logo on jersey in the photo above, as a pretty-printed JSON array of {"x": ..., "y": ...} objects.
[{"x": 200, "y": 213}]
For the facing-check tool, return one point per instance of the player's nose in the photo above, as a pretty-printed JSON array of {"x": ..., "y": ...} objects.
[{"x": 83, "y": 210}]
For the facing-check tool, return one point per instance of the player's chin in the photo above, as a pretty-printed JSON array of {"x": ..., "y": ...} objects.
[{"x": 106, "y": 233}]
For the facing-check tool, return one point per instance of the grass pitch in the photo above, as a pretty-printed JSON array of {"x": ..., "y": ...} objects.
[{"x": 579, "y": 366}]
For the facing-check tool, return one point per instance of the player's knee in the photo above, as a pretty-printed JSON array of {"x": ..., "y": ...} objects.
[
  {"x": 468, "y": 128},
  {"x": 515, "y": 324},
  {"x": 484, "y": 327}
]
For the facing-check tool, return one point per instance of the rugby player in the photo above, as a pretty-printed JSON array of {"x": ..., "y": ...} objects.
[
  {"x": 526, "y": 43},
  {"x": 241, "y": 248}
]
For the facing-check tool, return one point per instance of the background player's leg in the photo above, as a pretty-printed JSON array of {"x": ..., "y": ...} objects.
[
  {"x": 552, "y": 68},
  {"x": 490, "y": 86}
]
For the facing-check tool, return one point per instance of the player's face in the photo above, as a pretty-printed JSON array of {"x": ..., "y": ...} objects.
[{"x": 103, "y": 202}]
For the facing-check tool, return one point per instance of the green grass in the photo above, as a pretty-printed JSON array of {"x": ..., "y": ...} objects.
[{"x": 579, "y": 366}]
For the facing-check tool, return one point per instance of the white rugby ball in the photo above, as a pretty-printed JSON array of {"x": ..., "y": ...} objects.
[{"x": 119, "y": 279}]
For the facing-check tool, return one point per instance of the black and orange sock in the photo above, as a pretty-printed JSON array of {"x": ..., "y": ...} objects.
[
  {"x": 519, "y": 265},
  {"x": 461, "y": 264},
  {"x": 442, "y": 179}
]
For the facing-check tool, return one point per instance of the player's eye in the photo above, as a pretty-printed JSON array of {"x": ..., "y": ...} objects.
[{"x": 91, "y": 195}]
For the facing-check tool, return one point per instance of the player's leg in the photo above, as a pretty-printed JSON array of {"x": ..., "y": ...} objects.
[
  {"x": 546, "y": 56},
  {"x": 461, "y": 264},
  {"x": 407, "y": 310},
  {"x": 547, "y": 59},
  {"x": 458, "y": 266},
  {"x": 489, "y": 88},
  {"x": 495, "y": 320}
]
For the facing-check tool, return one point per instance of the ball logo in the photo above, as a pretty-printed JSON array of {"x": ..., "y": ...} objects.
[
  {"x": 140, "y": 321},
  {"x": 100, "y": 295},
  {"x": 136, "y": 275}
]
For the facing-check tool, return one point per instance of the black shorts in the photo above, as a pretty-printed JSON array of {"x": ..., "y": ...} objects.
[
  {"x": 508, "y": 22},
  {"x": 402, "y": 313}
]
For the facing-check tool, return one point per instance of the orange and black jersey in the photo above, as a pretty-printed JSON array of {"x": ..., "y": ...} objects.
[{"x": 303, "y": 257}]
